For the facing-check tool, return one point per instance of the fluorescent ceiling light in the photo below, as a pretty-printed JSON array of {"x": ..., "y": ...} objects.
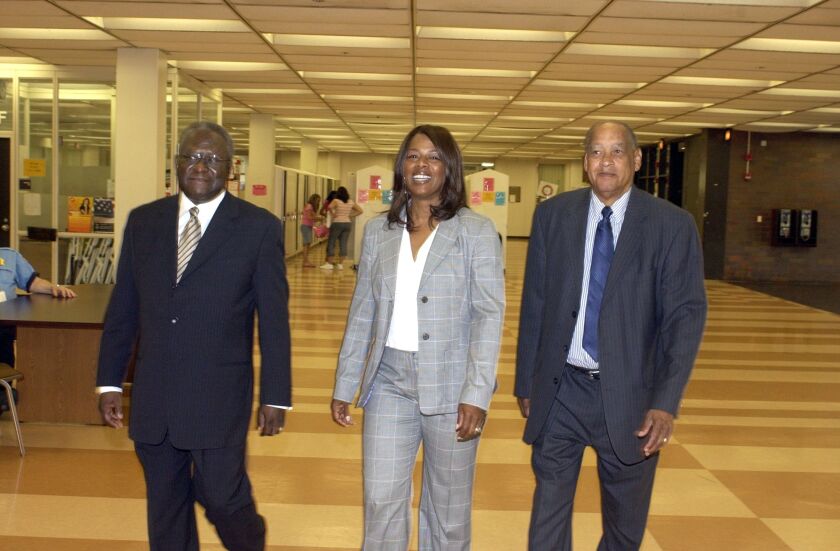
[
  {"x": 538, "y": 119},
  {"x": 472, "y": 33},
  {"x": 789, "y": 45},
  {"x": 625, "y": 50},
  {"x": 694, "y": 124},
  {"x": 651, "y": 103},
  {"x": 271, "y": 91},
  {"x": 463, "y": 72},
  {"x": 54, "y": 34},
  {"x": 760, "y": 3},
  {"x": 570, "y": 105},
  {"x": 330, "y": 40},
  {"x": 622, "y": 118},
  {"x": 488, "y": 164},
  {"x": 778, "y": 124},
  {"x": 332, "y": 75},
  {"x": 830, "y": 129},
  {"x": 806, "y": 92},
  {"x": 565, "y": 137},
  {"x": 352, "y": 97},
  {"x": 711, "y": 81},
  {"x": 229, "y": 65},
  {"x": 835, "y": 110},
  {"x": 659, "y": 134},
  {"x": 748, "y": 112},
  {"x": 455, "y": 112},
  {"x": 482, "y": 97},
  {"x": 590, "y": 84},
  {"x": 167, "y": 24}
]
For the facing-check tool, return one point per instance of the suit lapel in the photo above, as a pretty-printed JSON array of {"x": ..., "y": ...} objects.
[
  {"x": 164, "y": 229},
  {"x": 217, "y": 233},
  {"x": 445, "y": 238},
  {"x": 630, "y": 239},
  {"x": 573, "y": 223},
  {"x": 389, "y": 254}
]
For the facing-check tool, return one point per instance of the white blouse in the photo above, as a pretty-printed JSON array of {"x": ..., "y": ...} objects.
[{"x": 402, "y": 334}]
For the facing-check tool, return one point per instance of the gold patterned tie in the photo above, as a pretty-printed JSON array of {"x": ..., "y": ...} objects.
[{"x": 188, "y": 242}]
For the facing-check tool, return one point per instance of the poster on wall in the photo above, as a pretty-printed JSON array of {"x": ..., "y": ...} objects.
[
  {"x": 376, "y": 182},
  {"x": 103, "y": 214},
  {"x": 546, "y": 190},
  {"x": 79, "y": 214},
  {"x": 475, "y": 197},
  {"x": 362, "y": 196}
]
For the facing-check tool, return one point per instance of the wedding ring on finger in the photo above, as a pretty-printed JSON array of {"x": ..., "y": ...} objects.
[{"x": 478, "y": 430}]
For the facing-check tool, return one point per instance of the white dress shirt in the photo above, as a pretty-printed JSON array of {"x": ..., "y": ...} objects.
[
  {"x": 402, "y": 334},
  {"x": 577, "y": 355}
]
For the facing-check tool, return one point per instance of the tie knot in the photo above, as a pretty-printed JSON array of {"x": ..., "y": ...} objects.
[
  {"x": 606, "y": 213},
  {"x": 194, "y": 212}
]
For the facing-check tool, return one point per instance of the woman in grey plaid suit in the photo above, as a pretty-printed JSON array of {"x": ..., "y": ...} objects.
[{"x": 421, "y": 346}]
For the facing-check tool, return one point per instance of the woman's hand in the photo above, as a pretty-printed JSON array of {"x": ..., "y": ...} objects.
[
  {"x": 341, "y": 413},
  {"x": 470, "y": 422}
]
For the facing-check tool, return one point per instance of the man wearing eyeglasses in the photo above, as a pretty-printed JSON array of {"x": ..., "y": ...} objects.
[{"x": 193, "y": 271}]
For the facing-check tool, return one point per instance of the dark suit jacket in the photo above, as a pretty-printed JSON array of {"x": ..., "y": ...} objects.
[
  {"x": 193, "y": 374},
  {"x": 652, "y": 313}
]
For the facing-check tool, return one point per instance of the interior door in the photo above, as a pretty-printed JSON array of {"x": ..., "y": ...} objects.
[{"x": 5, "y": 191}]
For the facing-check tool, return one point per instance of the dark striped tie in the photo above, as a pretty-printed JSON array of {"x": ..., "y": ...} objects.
[
  {"x": 602, "y": 255},
  {"x": 188, "y": 242}
]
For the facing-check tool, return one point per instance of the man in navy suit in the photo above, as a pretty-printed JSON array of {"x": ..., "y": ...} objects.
[
  {"x": 193, "y": 270},
  {"x": 613, "y": 309}
]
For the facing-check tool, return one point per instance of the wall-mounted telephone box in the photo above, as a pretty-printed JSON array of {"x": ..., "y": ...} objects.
[
  {"x": 792, "y": 227},
  {"x": 784, "y": 228},
  {"x": 806, "y": 235}
]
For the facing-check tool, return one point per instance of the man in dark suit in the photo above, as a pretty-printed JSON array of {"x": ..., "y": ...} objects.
[
  {"x": 613, "y": 309},
  {"x": 193, "y": 270}
]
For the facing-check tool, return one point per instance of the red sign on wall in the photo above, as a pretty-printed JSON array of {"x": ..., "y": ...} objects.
[{"x": 259, "y": 189}]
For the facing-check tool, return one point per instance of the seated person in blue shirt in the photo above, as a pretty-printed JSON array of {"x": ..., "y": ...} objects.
[{"x": 16, "y": 273}]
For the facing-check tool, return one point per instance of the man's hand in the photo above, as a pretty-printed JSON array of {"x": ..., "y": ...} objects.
[
  {"x": 271, "y": 420},
  {"x": 341, "y": 412},
  {"x": 110, "y": 408},
  {"x": 657, "y": 427},
  {"x": 524, "y": 406},
  {"x": 470, "y": 422}
]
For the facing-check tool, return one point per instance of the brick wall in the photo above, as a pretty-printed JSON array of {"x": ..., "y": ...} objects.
[{"x": 793, "y": 170}]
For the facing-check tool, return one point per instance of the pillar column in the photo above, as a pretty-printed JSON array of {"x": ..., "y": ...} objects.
[
  {"x": 139, "y": 132},
  {"x": 261, "y": 161},
  {"x": 309, "y": 156}
]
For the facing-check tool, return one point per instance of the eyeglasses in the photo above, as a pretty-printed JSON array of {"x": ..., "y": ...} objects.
[{"x": 210, "y": 160}]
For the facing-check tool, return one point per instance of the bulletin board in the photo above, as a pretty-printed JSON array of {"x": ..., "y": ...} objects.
[
  {"x": 488, "y": 194},
  {"x": 374, "y": 187}
]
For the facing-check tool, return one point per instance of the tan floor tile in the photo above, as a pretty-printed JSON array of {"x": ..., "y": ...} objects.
[
  {"x": 806, "y": 534},
  {"x": 812, "y": 438},
  {"x": 800, "y": 392},
  {"x": 694, "y": 492},
  {"x": 793, "y": 495},
  {"x": 88, "y": 473},
  {"x": 678, "y": 533},
  {"x": 754, "y": 458}
]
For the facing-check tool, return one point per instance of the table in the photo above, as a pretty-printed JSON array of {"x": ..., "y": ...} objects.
[{"x": 57, "y": 352}]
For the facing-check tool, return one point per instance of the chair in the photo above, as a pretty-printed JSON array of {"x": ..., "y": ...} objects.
[{"x": 7, "y": 375}]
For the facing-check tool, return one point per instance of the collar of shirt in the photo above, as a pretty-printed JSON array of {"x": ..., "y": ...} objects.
[
  {"x": 619, "y": 209},
  {"x": 205, "y": 211}
]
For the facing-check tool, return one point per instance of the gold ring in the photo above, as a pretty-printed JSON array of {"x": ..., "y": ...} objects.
[
  {"x": 477, "y": 430},
  {"x": 665, "y": 439}
]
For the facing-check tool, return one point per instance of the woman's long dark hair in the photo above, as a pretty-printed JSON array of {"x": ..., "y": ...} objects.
[
  {"x": 453, "y": 194},
  {"x": 342, "y": 194}
]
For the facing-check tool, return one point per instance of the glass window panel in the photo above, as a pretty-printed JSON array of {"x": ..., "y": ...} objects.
[
  {"x": 85, "y": 185},
  {"x": 34, "y": 159},
  {"x": 6, "y": 100}
]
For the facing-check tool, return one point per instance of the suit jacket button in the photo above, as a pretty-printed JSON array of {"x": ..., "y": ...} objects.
[
  {"x": 574, "y": 314},
  {"x": 425, "y": 336},
  {"x": 424, "y": 300},
  {"x": 174, "y": 320},
  {"x": 555, "y": 380}
]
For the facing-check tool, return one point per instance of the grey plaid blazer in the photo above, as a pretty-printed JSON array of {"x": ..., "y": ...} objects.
[{"x": 461, "y": 303}]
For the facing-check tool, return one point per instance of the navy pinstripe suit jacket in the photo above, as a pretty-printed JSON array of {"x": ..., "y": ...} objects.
[
  {"x": 194, "y": 375},
  {"x": 652, "y": 313}
]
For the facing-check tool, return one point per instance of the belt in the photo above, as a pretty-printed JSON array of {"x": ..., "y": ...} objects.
[{"x": 592, "y": 374}]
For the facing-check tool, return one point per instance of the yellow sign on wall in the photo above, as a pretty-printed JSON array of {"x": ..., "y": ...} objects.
[{"x": 34, "y": 167}]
